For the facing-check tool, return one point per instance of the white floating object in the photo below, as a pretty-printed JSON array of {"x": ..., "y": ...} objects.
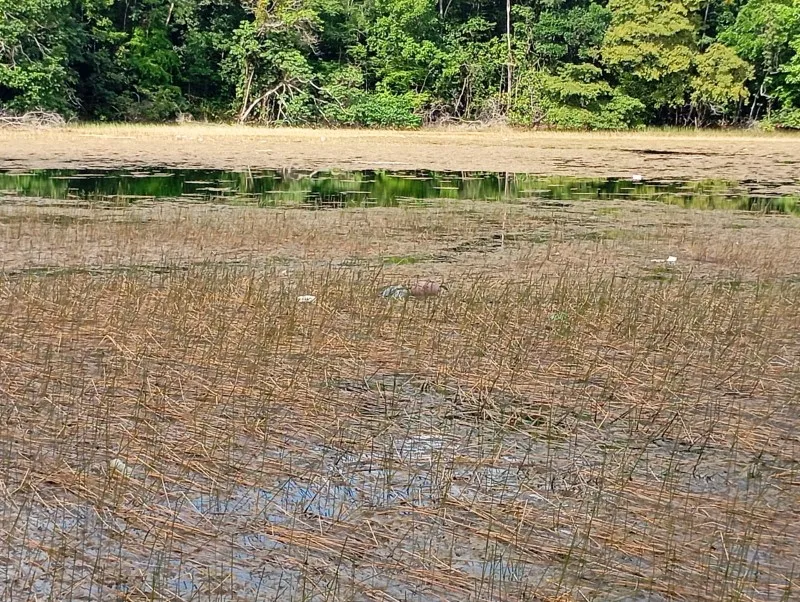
[
  {"x": 637, "y": 177},
  {"x": 306, "y": 299},
  {"x": 396, "y": 291},
  {"x": 671, "y": 259},
  {"x": 118, "y": 466}
]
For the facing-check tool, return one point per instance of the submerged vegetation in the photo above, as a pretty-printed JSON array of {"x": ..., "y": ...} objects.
[{"x": 596, "y": 64}]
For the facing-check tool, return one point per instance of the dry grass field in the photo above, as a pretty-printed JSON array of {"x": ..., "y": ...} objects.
[{"x": 573, "y": 419}]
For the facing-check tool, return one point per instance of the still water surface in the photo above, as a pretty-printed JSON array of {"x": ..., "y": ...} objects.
[{"x": 336, "y": 189}]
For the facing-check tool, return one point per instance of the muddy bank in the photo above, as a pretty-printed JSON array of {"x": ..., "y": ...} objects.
[{"x": 773, "y": 159}]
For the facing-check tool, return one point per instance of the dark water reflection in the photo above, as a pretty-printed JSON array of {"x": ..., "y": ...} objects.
[{"x": 335, "y": 189}]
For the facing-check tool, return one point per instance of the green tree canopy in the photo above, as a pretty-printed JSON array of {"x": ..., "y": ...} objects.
[
  {"x": 34, "y": 55},
  {"x": 401, "y": 63}
]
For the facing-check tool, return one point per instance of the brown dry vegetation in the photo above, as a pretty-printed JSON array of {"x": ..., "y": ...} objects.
[
  {"x": 570, "y": 421},
  {"x": 735, "y": 155}
]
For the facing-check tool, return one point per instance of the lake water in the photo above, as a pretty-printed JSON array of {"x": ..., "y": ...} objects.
[{"x": 381, "y": 188}]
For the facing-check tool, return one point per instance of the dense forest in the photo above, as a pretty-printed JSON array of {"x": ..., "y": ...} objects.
[{"x": 604, "y": 64}]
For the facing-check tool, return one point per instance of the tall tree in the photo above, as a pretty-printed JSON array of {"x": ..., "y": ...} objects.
[
  {"x": 651, "y": 46},
  {"x": 767, "y": 33},
  {"x": 34, "y": 55},
  {"x": 269, "y": 62},
  {"x": 548, "y": 63}
]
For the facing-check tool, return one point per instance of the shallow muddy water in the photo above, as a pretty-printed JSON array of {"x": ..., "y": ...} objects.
[{"x": 336, "y": 189}]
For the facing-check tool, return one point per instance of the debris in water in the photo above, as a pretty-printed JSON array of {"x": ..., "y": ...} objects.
[
  {"x": 637, "y": 177},
  {"x": 395, "y": 291},
  {"x": 306, "y": 299},
  {"x": 671, "y": 260},
  {"x": 422, "y": 288},
  {"x": 116, "y": 465},
  {"x": 426, "y": 288}
]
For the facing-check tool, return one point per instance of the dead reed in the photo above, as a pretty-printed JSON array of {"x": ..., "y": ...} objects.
[{"x": 570, "y": 421}]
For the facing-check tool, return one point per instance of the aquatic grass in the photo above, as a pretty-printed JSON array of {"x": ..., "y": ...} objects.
[{"x": 555, "y": 427}]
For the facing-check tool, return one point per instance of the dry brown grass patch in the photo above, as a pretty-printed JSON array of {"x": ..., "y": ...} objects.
[{"x": 569, "y": 421}]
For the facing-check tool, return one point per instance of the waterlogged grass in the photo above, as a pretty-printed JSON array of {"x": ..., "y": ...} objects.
[
  {"x": 405, "y": 259},
  {"x": 557, "y": 426}
]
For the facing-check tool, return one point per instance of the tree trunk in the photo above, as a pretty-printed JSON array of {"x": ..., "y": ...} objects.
[
  {"x": 508, "y": 41},
  {"x": 246, "y": 96}
]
